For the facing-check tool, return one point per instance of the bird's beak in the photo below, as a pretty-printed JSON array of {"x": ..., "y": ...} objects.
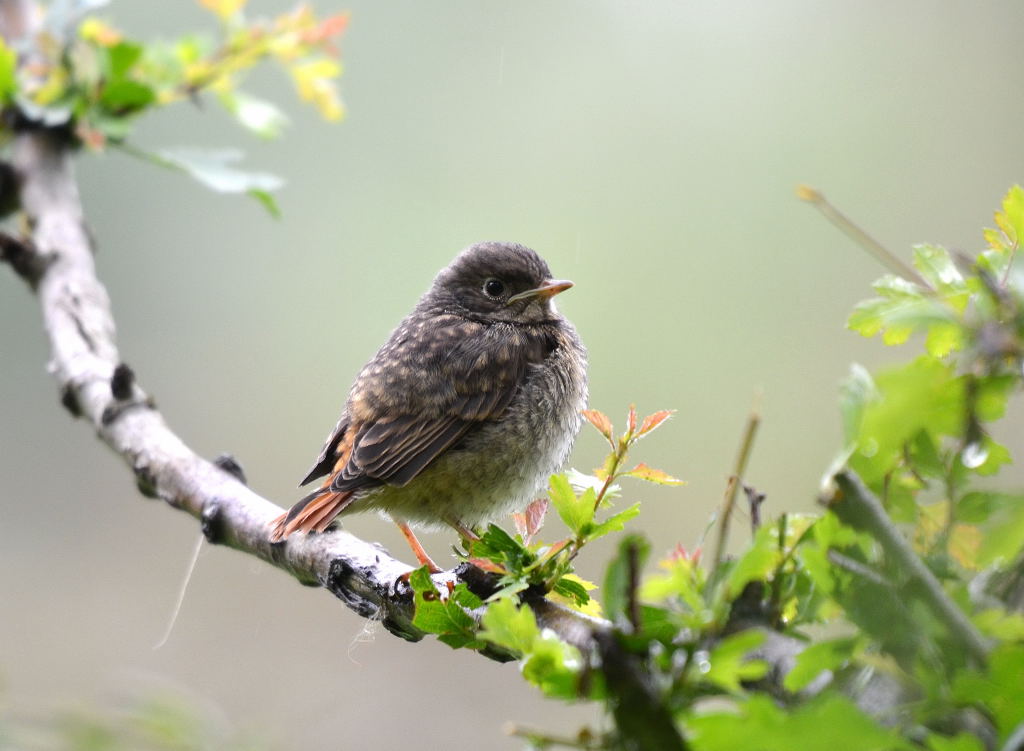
[{"x": 548, "y": 289}]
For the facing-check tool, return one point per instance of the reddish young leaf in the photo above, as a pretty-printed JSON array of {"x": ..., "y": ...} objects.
[
  {"x": 600, "y": 421},
  {"x": 653, "y": 421},
  {"x": 631, "y": 419},
  {"x": 555, "y": 548},
  {"x": 529, "y": 521},
  {"x": 487, "y": 565},
  {"x": 643, "y": 472},
  {"x": 681, "y": 554}
]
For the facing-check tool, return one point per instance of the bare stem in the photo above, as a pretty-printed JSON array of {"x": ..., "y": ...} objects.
[
  {"x": 852, "y": 230},
  {"x": 857, "y": 506},
  {"x": 729, "y": 501}
]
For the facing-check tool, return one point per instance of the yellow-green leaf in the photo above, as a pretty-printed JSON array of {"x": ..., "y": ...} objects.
[{"x": 642, "y": 472}]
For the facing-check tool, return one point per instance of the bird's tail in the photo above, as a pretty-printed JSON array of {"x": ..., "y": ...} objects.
[{"x": 314, "y": 513}]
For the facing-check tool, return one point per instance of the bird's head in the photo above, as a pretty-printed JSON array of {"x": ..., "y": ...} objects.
[{"x": 497, "y": 282}]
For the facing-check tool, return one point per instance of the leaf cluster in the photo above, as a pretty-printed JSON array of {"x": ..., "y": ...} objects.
[
  {"x": 87, "y": 78},
  {"x": 920, "y": 603}
]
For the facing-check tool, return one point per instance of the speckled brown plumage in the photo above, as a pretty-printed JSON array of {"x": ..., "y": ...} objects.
[{"x": 466, "y": 409}]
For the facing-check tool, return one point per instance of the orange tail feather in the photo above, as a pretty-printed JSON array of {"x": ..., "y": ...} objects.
[{"x": 312, "y": 515}]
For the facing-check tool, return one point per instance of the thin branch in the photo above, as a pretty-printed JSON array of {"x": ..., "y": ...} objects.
[
  {"x": 850, "y": 228},
  {"x": 858, "y": 507},
  {"x": 735, "y": 480}
]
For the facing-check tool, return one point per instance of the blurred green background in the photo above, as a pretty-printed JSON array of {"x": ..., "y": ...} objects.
[{"x": 648, "y": 150}]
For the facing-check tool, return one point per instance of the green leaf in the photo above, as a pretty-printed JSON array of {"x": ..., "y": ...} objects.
[
  {"x": 446, "y": 618},
  {"x": 825, "y": 655},
  {"x": 126, "y": 96},
  {"x": 614, "y": 523},
  {"x": 922, "y": 395},
  {"x": 855, "y": 392},
  {"x": 267, "y": 201},
  {"x": 510, "y": 626},
  {"x": 120, "y": 58},
  {"x": 728, "y": 664},
  {"x": 944, "y": 338},
  {"x": 681, "y": 579},
  {"x": 1006, "y": 538},
  {"x": 999, "y": 624},
  {"x": 575, "y": 511},
  {"x": 1011, "y": 219},
  {"x": 554, "y": 667},
  {"x": 902, "y": 309},
  {"x": 573, "y": 589},
  {"x": 937, "y": 268},
  {"x": 831, "y": 723},
  {"x": 756, "y": 563},
  {"x": 961, "y": 742},
  {"x": 999, "y": 691},
  {"x": 8, "y": 71},
  {"x": 642, "y": 472},
  {"x": 213, "y": 169}
]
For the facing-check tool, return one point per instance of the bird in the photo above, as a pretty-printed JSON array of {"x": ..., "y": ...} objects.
[{"x": 463, "y": 413}]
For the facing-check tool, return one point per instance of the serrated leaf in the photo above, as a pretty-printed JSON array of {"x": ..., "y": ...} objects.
[
  {"x": 572, "y": 589},
  {"x": 944, "y": 338},
  {"x": 653, "y": 421},
  {"x": 576, "y": 512},
  {"x": 829, "y": 723},
  {"x": 446, "y": 618},
  {"x": 529, "y": 521},
  {"x": 756, "y": 562},
  {"x": 923, "y": 395},
  {"x": 729, "y": 665},
  {"x": 508, "y": 625},
  {"x": 589, "y": 606},
  {"x": 600, "y": 421},
  {"x": 937, "y": 267},
  {"x": 614, "y": 523},
  {"x": 554, "y": 667},
  {"x": 897, "y": 317},
  {"x": 1011, "y": 219},
  {"x": 649, "y": 474},
  {"x": 825, "y": 655},
  {"x": 497, "y": 544}
]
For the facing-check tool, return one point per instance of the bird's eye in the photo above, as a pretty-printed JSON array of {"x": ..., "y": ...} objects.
[{"x": 494, "y": 288}]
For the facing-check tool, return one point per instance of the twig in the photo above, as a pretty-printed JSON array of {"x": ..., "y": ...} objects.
[
  {"x": 858, "y": 506},
  {"x": 848, "y": 227},
  {"x": 729, "y": 501}
]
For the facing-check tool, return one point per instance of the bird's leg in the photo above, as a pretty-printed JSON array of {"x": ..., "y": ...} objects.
[
  {"x": 467, "y": 532},
  {"x": 417, "y": 548}
]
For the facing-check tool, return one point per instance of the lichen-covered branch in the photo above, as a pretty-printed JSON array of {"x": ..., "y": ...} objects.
[{"x": 57, "y": 261}]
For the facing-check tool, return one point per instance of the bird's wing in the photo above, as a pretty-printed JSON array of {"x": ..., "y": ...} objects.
[{"x": 427, "y": 387}]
